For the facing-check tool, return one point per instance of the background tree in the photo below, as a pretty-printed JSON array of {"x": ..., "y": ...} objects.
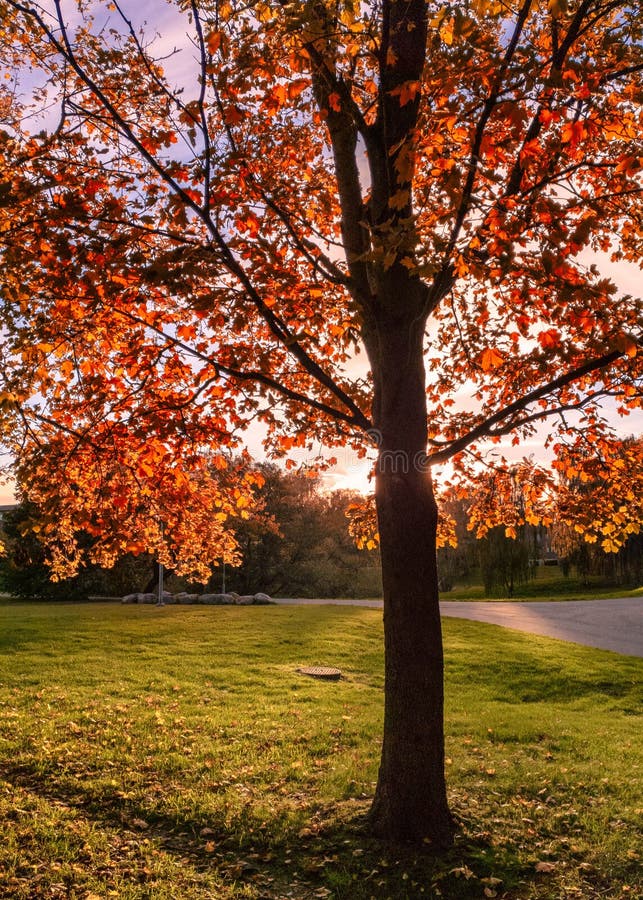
[
  {"x": 421, "y": 180},
  {"x": 504, "y": 562},
  {"x": 24, "y": 572},
  {"x": 598, "y": 507},
  {"x": 300, "y": 547}
]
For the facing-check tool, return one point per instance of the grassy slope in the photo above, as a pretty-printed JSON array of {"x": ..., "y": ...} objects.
[
  {"x": 177, "y": 753},
  {"x": 548, "y": 584}
]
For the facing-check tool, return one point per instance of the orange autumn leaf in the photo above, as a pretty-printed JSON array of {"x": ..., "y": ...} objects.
[
  {"x": 627, "y": 345},
  {"x": 549, "y": 339},
  {"x": 213, "y": 41},
  {"x": 490, "y": 359},
  {"x": 407, "y": 91}
]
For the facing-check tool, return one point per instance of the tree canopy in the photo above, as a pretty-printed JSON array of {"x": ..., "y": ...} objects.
[{"x": 173, "y": 228}]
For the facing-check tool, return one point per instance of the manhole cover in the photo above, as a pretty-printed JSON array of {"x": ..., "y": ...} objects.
[{"x": 326, "y": 672}]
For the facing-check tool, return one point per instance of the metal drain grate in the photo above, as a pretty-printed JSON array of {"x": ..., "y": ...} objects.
[{"x": 325, "y": 672}]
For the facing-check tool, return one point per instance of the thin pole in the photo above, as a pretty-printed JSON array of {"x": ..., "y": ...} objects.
[
  {"x": 160, "y": 595},
  {"x": 160, "y": 600}
]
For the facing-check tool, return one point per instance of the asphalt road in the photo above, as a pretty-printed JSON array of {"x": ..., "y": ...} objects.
[{"x": 607, "y": 624}]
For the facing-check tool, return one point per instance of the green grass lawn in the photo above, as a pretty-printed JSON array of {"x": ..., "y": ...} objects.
[
  {"x": 177, "y": 753},
  {"x": 548, "y": 584}
]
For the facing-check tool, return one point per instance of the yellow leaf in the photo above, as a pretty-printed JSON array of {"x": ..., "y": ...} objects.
[
  {"x": 487, "y": 7},
  {"x": 446, "y": 32}
]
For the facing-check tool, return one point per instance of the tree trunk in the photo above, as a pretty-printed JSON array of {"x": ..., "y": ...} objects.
[
  {"x": 410, "y": 800},
  {"x": 152, "y": 584}
]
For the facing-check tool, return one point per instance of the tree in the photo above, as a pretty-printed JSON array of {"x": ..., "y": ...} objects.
[
  {"x": 504, "y": 562},
  {"x": 24, "y": 572},
  {"x": 459, "y": 556},
  {"x": 436, "y": 183},
  {"x": 598, "y": 507},
  {"x": 600, "y": 494},
  {"x": 300, "y": 546}
]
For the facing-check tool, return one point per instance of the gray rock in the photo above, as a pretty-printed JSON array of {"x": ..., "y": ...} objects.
[
  {"x": 216, "y": 599},
  {"x": 149, "y": 598},
  {"x": 262, "y": 599},
  {"x": 246, "y": 600}
]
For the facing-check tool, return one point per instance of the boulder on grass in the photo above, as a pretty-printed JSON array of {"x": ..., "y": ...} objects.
[
  {"x": 262, "y": 599},
  {"x": 216, "y": 599},
  {"x": 130, "y": 598},
  {"x": 246, "y": 600}
]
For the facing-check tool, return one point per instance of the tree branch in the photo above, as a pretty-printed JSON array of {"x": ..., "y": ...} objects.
[
  {"x": 355, "y": 417},
  {"x": 485, "y": 428},
  {"x": 278, "y": 328},
  {"x": 489, "y": 106},
  {"x": 207, "y": 150}
]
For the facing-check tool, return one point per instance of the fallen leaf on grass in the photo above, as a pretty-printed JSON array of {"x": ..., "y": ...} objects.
[
  {"x": 463, "y": 871},
  {"x": 545, "y": 867}
]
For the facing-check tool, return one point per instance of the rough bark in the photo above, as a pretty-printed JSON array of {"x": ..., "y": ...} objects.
[{"x": 410, "y": 801}]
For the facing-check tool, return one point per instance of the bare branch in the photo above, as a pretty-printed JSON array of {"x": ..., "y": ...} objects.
[{"x": 207, "y": 149}]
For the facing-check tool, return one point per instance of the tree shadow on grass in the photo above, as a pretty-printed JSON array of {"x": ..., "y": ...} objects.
[{"x": 332, "y": 856}]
